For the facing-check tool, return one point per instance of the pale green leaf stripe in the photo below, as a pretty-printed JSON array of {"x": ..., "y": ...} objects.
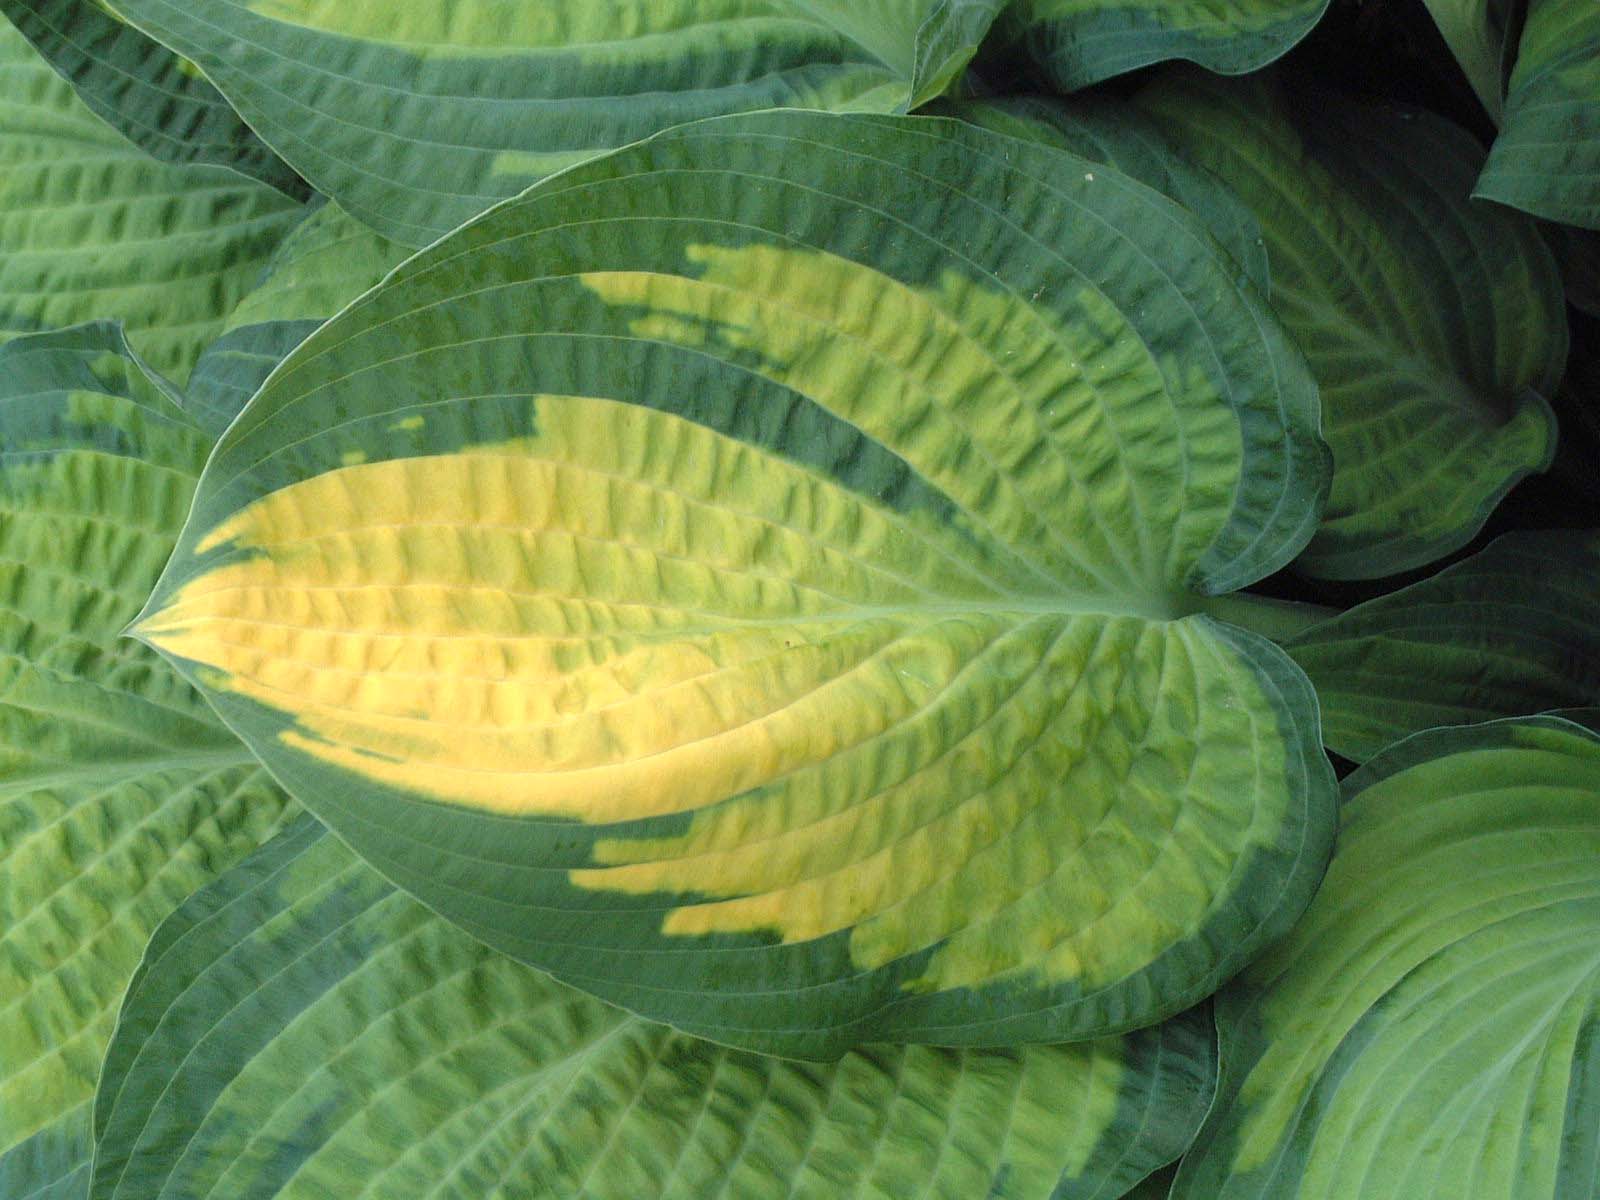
[
  {"x": 1112, "y": 132},
  {"x": 1431, "y": 1029},
  {"x": 416, "y": 117},
  {"x": 1515, "y": 629},
  {"x": 756, "y": 576},
  {"x": 300, "y": 1030},
  {"x": 92, "y": 227},
  {"x": 1081, "y": 42},
  {"x": 119, "y": 792},
  {"x": 1434, "y": 326},
  {"x": 329, "y": 260},
  {"x": 145, "y": 91},
  {"x": 1546, "y": 160}
]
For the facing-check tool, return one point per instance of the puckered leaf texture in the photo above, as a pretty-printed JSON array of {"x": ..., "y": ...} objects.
[
  {"x": 1429, "y": 1031},
  {"x": 300, "y": 1029},
  {"x": 119, "y": 791},
  {"x": 760, "y": 577}
]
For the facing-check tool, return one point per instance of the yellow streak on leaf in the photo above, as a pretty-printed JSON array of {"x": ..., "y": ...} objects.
[{"x": 564, "y": 626}]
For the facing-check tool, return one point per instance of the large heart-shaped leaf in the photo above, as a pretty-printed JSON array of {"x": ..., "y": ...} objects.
[
  {"x": 1111, "y": 131},
  {"x": 418, "y": 116},
  {"x": 1547, "y": 158},
  {"x": 119, "y": 791},
  {"x": 1080, "y": 42},
  {"x": 757, "y": 576},
  {"x": 145, "y": 91},
  {"x": 1428, "y": 1031},
  {"x": 329, "y": 260},
  {"x": 1435, "y": 326},
  {"x": 301, "y": 1030},
  {"x": 94, "y": 227},
  {"x": 1514, "y": 629}
]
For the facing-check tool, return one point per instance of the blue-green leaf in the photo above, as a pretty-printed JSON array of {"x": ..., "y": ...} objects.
[
  {"x": 417, "y": 116},
  {"x": 300, "y": 1029},
  {"x": 760, "y": 576}
]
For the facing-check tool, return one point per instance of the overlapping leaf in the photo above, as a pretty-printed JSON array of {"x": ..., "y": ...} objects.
[
  {"x": 1482, "y": 35},
  {"x": 119, "y": 792},
  {"x": 91, "y": 226},
  {"x": 1514, "y": 629},
  {"x": 1546, "y": 159},
  {"x": 1435, "y": 327},
  {"x": 756, "y": 576},
  {"x": 329, "y": 260},
  {"x": 1112, "y": 132},
  {"x": 301, "y": 1030},
  {"x": 1428, "y": 1032},
  {"x": 145, "y": 91},
  {"x": 416, "y": 117},
  {"x": 1080, "y": 42}
]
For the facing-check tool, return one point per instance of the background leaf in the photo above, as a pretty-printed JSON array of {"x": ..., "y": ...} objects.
[
  {"x": 146, "y": 92},
  {"x": 1076, "y": 43},
  {"x": 300, "y": 1030},
  {"x": 743, "y": 577},
  {"x": 328, "y": 260},
  {"x": 1429, "y": 1030},
  {"x": 1546, "y": 160},
  {"x": 1112, "y": 132},
  {"x": 93, "y": 227},
  {"x": 1515, "y": 629},
  {"x": 1435, "y": 327},
  {"x": 417, "y": 117},
  {"x": 119, "y": 792},
  {"x": 1475, "y": 31}
]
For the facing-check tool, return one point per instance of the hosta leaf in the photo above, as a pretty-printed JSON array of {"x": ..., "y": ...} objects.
[
  {"x": 119, "y": 791},
  {"x": 755, "y": 576},
  {"x": 1434, "y": 326},
  {"x": 416, "y": 117},
  {"x": 1428, "y": 1031},
  {"x": 1112, "y": 132},
  {"x": 1514, "y": 629},
  {"x": 1080, "y": 42},
  {"x": 1546, "y": 159},
  {"x": 329, "y": 260},
  {"x": 1578, "y": 252},
  {"x": 91, "y": 226},
  {"x": 144, "y": 90},
  {"x": 1475, "y": 31},
  {"x": 301, "y": 1030}
]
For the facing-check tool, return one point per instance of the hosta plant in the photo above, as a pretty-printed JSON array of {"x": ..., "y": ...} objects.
[{"x": 763, "y": 598}]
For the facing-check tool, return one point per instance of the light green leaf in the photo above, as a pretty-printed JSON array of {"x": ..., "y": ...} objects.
[
  {"x": 146, "y": 92},
  {"x": 1546, "y": 160},
  {"x": 1081, "y": 42},
  {"x": 1514, "y": 629},
  {"x": 1434, "y": 326},
  {"x": 416, "y": 117},
  {"x": 329, "y": 260},
  {"x": 757, "y": 575},
  {"x": 301, "y": 1030},
  {"x": 1429, "y": 1030},
  {"x": 91, "y": 226},
  {"x": 119, "y": 791},
  {"x": 1112, "y": 132}
]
